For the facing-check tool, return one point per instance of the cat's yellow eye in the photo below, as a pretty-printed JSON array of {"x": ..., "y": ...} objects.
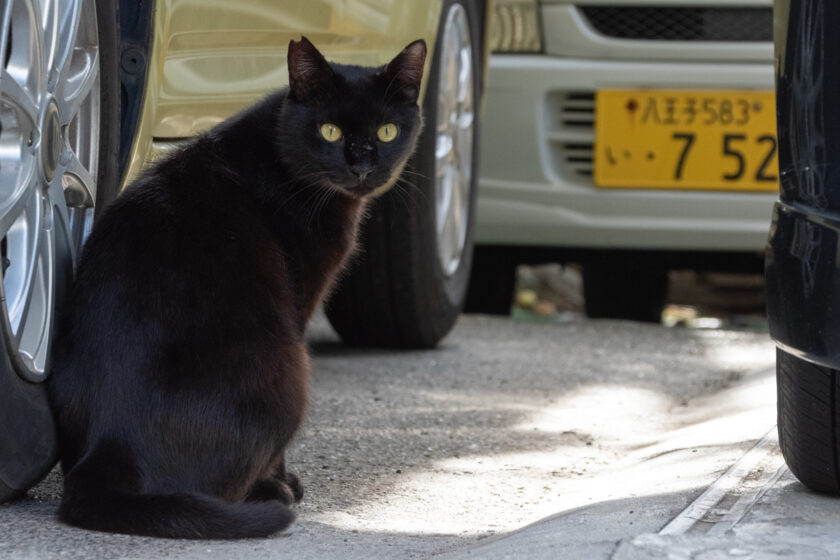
[
  {"x": 330, "y": 132},
  {"x": 387, "y": 132}
]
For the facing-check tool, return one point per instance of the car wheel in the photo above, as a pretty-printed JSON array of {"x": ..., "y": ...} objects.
[
  {"x": 625, "y": 288},
  {"x": 59, "y": 115},
  {"x": 808, "y": 407},
  {"x": 492, "y": 281},
  {"x": 408, "y": 283}
]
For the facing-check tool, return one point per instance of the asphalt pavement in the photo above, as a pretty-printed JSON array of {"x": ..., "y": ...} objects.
[{"x": 587, "y": 439}]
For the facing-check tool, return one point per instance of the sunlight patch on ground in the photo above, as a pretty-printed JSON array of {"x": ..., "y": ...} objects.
[
  {"x": 609, "y": 444},
  {"x": 751, "y": 356},
  {"x": 602, "y": 412}
]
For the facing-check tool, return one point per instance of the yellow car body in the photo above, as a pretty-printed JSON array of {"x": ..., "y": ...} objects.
[{"x": 211, "y": 58}]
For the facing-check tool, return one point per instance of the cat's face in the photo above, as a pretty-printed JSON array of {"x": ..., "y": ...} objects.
[{"x": 349, "y": 127}]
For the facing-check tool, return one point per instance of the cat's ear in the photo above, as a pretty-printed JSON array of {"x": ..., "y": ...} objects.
[
  {"x": 310, "y": 75},
  {"x": 405, "y": 71}
]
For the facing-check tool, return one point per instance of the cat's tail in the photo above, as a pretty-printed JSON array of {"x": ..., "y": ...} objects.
[{"x": 91, "y": 502}]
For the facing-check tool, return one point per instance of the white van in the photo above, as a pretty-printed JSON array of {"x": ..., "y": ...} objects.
[{"x": 635, "y": 136}]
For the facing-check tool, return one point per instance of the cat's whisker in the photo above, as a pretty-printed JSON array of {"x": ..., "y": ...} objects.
[
  {"x": 411, "y": 188},
  {"x": 402, "y": 194},
  {"x": 323, "y": 199},
  {"x": 315, "y": 208},
  {"x": 317, "y": 192},
  {"x": 410, "y": 172},
  {"x": 314, "y": 194},
  {"x": 404, "y": 190},
  {"x": 305, "y": 183}
]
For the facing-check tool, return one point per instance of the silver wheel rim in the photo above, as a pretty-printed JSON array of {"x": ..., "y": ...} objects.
[
  {"x": 454, "y": 147},
  {"x": 49, "y": 114}
]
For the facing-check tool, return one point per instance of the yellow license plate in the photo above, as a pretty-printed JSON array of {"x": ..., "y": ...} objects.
[{"x": 712, "y": 140}]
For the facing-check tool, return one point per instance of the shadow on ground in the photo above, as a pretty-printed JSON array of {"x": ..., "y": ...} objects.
[{"x": 409, "y": 454}]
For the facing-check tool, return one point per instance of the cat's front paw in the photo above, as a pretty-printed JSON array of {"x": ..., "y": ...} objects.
[
  {"x": 293, "y": 482},
  {"x": 267, "y": 489}
]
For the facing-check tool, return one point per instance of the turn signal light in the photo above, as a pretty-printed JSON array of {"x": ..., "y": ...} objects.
[{"x": 515, "y": 27}]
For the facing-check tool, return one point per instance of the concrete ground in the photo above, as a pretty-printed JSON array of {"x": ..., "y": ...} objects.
[{"x": 518, "y": 440}]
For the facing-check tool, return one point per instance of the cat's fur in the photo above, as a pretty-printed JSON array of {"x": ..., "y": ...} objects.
[{"x": 181, "y": 369}]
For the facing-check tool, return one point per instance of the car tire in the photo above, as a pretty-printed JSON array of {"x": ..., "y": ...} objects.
[
  {"x": 492, "y": 282},
  {"x": 75, "y": 171},
  {"x": 407, "y": 285},
  {"x": 625, "y": 288},
  {"x": 808, "y": 406}
]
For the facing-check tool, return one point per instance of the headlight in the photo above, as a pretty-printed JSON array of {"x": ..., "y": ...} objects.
[{"x": 515, "y": 27}]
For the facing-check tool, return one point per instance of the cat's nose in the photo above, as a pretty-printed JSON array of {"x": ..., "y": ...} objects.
[{"x": 361, "y": 171}]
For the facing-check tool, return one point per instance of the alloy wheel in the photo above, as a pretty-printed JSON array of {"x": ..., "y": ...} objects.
[
  {"x": 49, "y": 134},
  {"x": 455, "y": 137}
]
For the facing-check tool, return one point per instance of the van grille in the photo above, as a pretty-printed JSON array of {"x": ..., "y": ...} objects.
[
  {"x": 571, "y": 132},
  {"x": 682, "y": 24}
]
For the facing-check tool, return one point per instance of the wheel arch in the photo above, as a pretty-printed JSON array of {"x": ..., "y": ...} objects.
[{"x": 136, "y": 18}]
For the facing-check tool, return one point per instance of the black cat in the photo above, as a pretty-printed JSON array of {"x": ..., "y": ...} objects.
[{"x": 181, "y": 370}]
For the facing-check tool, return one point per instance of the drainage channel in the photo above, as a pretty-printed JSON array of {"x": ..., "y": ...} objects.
[
  {"x": 701, "y": 529},
  {"x": 731, "y": 496}
]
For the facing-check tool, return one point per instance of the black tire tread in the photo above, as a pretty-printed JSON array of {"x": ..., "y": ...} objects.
[
  {"x": 625, "y": 288},
  {"x": 359, "y": 278},
  {"x": 7, "y": 492},
  {"x": 808, "y": 421},
  {"x": 492, "y": 281}
]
